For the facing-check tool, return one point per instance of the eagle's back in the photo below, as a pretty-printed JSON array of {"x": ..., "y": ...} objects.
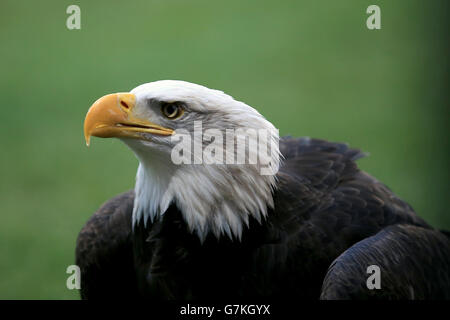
[{"x": 324, "y": 204}]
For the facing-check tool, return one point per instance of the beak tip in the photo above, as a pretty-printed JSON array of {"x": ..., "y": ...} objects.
[{"x": 88, "y": 141}]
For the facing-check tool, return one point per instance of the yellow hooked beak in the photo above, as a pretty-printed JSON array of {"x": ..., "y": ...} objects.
[{"x": 112, "y": 116}]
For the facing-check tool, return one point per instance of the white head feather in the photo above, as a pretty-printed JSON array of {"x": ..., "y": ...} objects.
[{"x": 217, "y": 198}]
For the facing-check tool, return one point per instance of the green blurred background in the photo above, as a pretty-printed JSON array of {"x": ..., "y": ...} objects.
[{"x": 311, "y": 67}]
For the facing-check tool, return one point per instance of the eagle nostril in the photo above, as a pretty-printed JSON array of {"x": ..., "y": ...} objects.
[{"x": 124, "y": 104}]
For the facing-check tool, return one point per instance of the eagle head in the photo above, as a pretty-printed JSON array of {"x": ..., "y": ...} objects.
[{"x": 212, "y": 156}]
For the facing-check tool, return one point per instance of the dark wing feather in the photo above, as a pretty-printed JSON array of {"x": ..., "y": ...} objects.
[
  {"x": 323, "y": 205},
  {"x": 104, "y": 251},
  {"x": 414, "y": 264}
]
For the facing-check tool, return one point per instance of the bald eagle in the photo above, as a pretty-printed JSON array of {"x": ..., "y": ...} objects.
[{"x": 199, "y": 229}]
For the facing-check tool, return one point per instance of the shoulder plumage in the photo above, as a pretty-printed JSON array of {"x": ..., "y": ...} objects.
[
  {"x": 293, "y": 147},
  {"x": 104, "y": 249},
  {"x": 318, "y": 163}
]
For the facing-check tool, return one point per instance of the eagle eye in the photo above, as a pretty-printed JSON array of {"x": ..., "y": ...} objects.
[{"x": 172, "y": 110}]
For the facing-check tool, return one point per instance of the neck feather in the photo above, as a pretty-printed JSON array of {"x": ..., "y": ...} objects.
[{"x": 212, "y": 198}]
